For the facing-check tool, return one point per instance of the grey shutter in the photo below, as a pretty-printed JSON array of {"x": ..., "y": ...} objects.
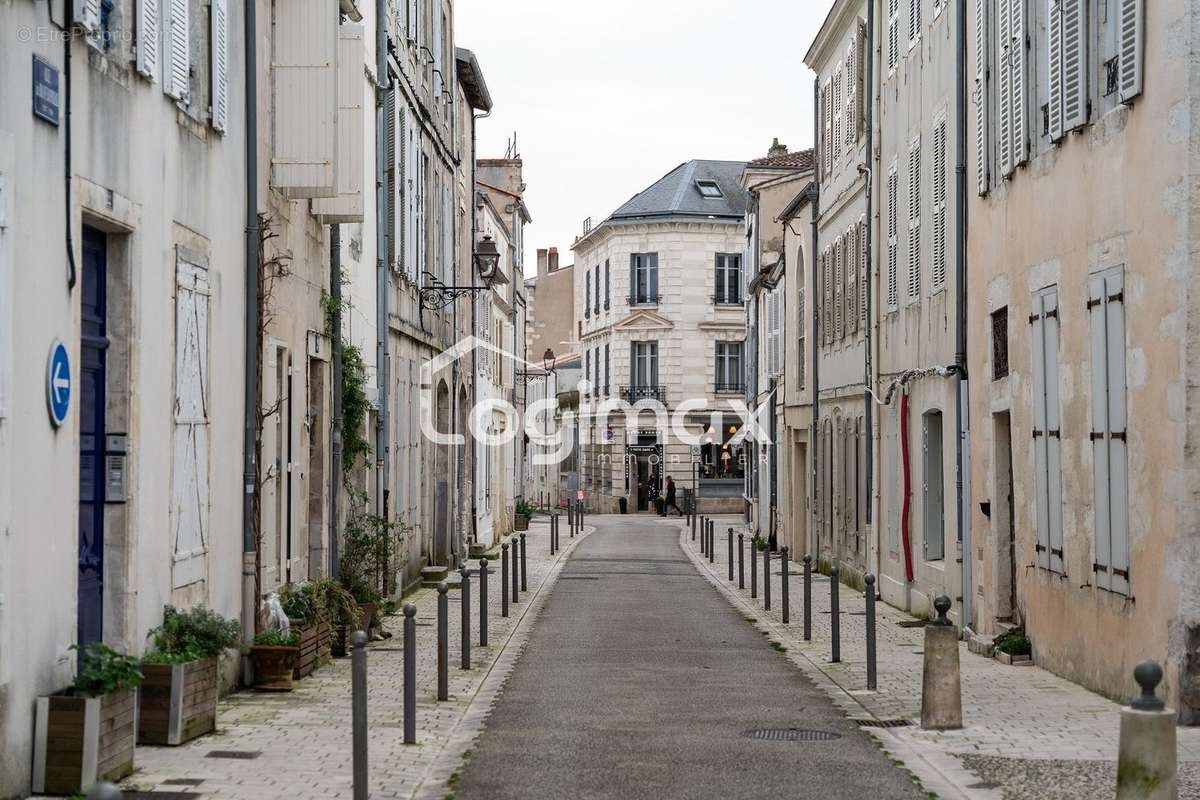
[
  {"x": 982, "y": 131},
  {"x": 1019, "y": 58},
  {"x": 914, "y": 219},
  {"x": 147, "y": 38},
  {"x": 633, "y": 293},
  {"x": 893, "y": 33},
  {"x": 1106, "y": 310},
  {"x": 390, "y": 181},
  {"x": 177, "y": 79},
  {"x": 190, "y": 464},
  {"x": 893, "y": 241},
  {"x": 1055, "y": 60},
  {"x": 219, "y": 42},
  {"x": 1074, "y": 63},
  {"x": 1004, "y": 85},
  {"x": 1045, "y": 414},
  {"x": 1131, "y": 37},
  {"x": 654, "y": 276},
  {"x": 937, "y": 276},
  {"x": 934, "y": 497},
  {"x": 862, "y": 272},
  {"x": 1053, "y": 435}
]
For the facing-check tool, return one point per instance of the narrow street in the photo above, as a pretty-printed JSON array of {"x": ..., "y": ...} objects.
[{"x": 640, "y": 680}]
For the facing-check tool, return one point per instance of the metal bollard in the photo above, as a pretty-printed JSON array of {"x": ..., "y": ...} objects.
[
  {"x": 786, "y": 554},
  {"x": 703, "y": 533},
  {"x": 553, "y": 530},
  {"x": 106, "y": 791},
  {"x": 741, "y": 561},
  {"x": 483, "y": 621},
  {"x": 808, "y": 598},
  {"x": 731, "y": 555},
  {"x": 524, "y": 572},
  {"x": 712, "y": 533},
  {"x": 570, "y": 513},
  {"x": 835, "y": 617},
  {"x": 465, "y": 575},
  {"x": 358, "y": 710},
  {"x": 579, "y": 519},
  {"x": 443, "y": 642},
  {"x": 1147, "y": 760},
  {"x": 870, "y": 582},
  {"x": 504, "y": 579},
  {"x": 410, "y": 673},
  {"x": 753, "y": 569},
  {"x": 516, "y": 570},
  {"x": 766, "y": 578},
  {"x": 692, "y": 522}
]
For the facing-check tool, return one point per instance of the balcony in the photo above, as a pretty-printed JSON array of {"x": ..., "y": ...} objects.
[
  {"x": 738, "y": 388},
  {"x": 642, "y": 299},
  {"x": 632, "y": 394}
]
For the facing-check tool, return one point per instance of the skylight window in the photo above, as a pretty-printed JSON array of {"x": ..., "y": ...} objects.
[{"x": 709, "y": 189}]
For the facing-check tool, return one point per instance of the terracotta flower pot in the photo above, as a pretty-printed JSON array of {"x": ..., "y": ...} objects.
[{"x": 273, "y": 667}]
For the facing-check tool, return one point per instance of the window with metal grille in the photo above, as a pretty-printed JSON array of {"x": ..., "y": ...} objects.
[{"x": 1000, "y": 343}]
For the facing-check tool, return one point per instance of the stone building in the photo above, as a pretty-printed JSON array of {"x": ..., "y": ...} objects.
[
  {"x": 655, "y": 325},
  {"x": 551, "y": 297}
]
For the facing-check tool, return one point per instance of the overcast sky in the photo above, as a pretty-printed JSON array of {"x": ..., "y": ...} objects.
[{"x": 605, "y": 98}]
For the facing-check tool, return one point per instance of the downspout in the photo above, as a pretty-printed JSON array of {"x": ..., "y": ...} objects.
[
  {"x": 382, "y": 235},
  {"x": 68, "y": 40},
  {"x": 814, "y": 200},
  {"x": 252, "y": 377},
  {"x": 963, "y": 446},
  {"x": 474, "y": 320},
  {"x": 868, "y": 91},
  {"x": 906, "y": 466},
  {"x": 335, "y": 429}
]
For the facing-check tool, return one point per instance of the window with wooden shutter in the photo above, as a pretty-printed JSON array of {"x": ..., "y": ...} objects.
[
  {"x": 1131, "y": 35},
  {"x": 852, "y": 279},
  {"x": 190, "y": 449},
  {"x": 1074, "y": 60},
  {"x": 219, "y": 42},
  {"x": 914, "y": 22},
  {"x": 177, "y": 80},
  {"x": 851, "y": 121},
  {"x": 1018, "y": 75},
  {"x": 860, "y": 78},
  {"x": 1047, "y": 441},
  {"x": 391, "y": 179},
  {"x": 147, "y": 38},
  {"x": 980, "y": 98},
  {"x": 893, "y": 236},
  {"x": 893, "y": 34},
  {"x": 801, "y": 337},
  {"x": 862, "y": 272},
  {"x": 839, "y": 109},
  {"x": 839, "y": 286},
  {"x": 914, "y": 218},
  {"x": 827, "y": 311},
  {"x": 1110, "y": 419},
  {"x": 827, "y": 128},
  {"x": 1004, "y": 87},
  {"x": 937, "y": 274}
]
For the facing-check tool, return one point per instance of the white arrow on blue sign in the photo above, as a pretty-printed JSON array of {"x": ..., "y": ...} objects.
[{"x": 58, "y": 383}]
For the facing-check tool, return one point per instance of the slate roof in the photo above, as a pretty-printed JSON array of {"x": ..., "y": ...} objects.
[
  {"x": 801, "y": 160},
  {"x": 676, "y": 194}
]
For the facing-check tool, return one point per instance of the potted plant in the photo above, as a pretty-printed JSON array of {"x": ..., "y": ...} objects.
[
  {"x": 659, "y": 502},
  {"x": 274, "y": 653},
  {"x": 306, "y": 611},
  {"x": 1013, "y": 648},
  {"x": 178, "y": 698},
  {"x": 623, "y": 504},
  {"x": 343, "y": 613},
  {"x": 522, "y": 515},
  {"x": 86, "y": 734}
]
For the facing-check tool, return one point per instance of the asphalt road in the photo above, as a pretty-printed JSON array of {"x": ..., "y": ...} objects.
[{"x": 640, "y": 681}]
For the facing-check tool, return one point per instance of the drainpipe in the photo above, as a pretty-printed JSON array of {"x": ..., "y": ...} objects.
[
  {"x": 68, "y": 40},
  {"x": 382, "y": 234},
  {"x": 814, "y": 199},
  {"x": 963, "y": 448},
  {"x": 252, "y": 377},
  {"x": 335, "y": 429},
  {"x": 474, "y": 320},
  {"x": 869, "y": 340}
]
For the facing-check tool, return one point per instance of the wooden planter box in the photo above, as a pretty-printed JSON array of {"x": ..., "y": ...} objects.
[
  {"x": 177, "y": 702},
  {"x": 520, "y": 522},
  {"x": 79, "y": 741},
  {"x": 314, "y": 646}
]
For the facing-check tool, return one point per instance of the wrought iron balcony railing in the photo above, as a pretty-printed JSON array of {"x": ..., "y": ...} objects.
[
  {"x": 631, "y": 394},
  {"x": 642, "y": 299},
  {"x": 725, "y": 300},
  {"x": 738, "y": 388}
]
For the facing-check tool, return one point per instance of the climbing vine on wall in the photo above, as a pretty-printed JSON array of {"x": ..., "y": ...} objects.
[{"x": 355, "y": 407}]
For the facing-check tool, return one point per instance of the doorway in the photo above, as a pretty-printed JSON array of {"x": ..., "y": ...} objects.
[
  {"x": 92, "y": 403},
  {"x": 1004, "y": 535}
]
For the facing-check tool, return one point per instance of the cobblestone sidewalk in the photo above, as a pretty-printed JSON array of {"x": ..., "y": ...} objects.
[
  {"x": 1028, "y": 734},
  {"x": 302, "y": 738}
]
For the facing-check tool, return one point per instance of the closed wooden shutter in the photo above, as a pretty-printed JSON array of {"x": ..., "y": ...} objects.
[
  {"x": 1054, "y": 39},
  {"x": 914, "y": 21},
  {"x": 860, "y": 82},
  {"x": 1131, "y": 37},
  {"x": 862, "y": 272},
  {"x": 937, "y": 274},
  {"x": 1046, "y": 431},
  {"x": 190, "y": 452},
  {"x": 1018, "y": 66},
  {"x": 838, "y": 142},
  {"x": 391, "y": 178},
  {"x": 1106, "y": 313},
  {"x": 1074, "y": 63},
  {"x": 827, "y": 128},
  {"x": 914, "y": 219},
  {"x": 147, "y": 38},
  {"x": 827, "y": 312},
  {"x": 177, "y": 80},
  {"x": 219, "y": 41},
  {"x": 982, "y": 121},
  {"x": 893, "y": 241},
  {"x": 852, "y": 254},
  {"x": 839, "y": 286},
  {"x": 1004, "y": 86},
  {"x": 893, "y": 34},
  {"x": 412, "y": 161},
  {"x": 851, "y": 120}
]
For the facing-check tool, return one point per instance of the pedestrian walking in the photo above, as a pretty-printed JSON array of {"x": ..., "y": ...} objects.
[{"x": 667, "y": 506}]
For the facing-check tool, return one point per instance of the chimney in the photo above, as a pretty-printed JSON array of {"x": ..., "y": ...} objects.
[
  {"x": 542, "y": 261},
  {"x": 777, "y": 149},
  {"x": 553, "y": 263}
]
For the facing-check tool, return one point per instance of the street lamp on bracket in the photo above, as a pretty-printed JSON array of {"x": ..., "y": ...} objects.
[{"x": 436, "y": 295}]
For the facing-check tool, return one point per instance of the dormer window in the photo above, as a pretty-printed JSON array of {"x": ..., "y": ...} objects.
[{"x": 709, "y": 189}]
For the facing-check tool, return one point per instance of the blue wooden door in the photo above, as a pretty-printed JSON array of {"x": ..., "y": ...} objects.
[{"x": 93, "y": 342}]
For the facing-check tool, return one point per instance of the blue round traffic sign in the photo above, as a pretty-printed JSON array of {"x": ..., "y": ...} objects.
[{"x": 58, "y": 383}]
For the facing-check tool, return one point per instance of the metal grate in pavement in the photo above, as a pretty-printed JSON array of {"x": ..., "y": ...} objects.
[
  {"x": 244, "y": 755},
  {"x": 577, "y": 578},
  {"x": 883, "y": 723},
  {"x": 792, "y": 735}
]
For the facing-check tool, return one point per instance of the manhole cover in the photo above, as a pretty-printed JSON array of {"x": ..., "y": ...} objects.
[
  {"x": 792, "y": 735},
  {"x": 883, "y": 723},
  {"x": 245, "y": 755}
]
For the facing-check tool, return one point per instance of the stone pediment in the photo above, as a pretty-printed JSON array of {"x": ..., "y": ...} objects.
[{"x": 644, "y": 320}]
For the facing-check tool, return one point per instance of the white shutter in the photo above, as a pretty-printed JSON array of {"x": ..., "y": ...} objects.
[
  {"x": 827, "y": 126},
  {"x": 839, "y": 248},
  {"x": 1053, "y": 437},
  {"x": 1004, "y": 86},
  {"x": 893, "y": 233},
  {"x": 914, "y": 219},
  {"x": 1106, "y": 312},
  {"x": 177, "y": 80},
  {"x": 87, "y": 15},
  {"x": 1132, "y": 33},
  {"x": 411, "y": 160},
  {"x": 893, "y": 34},
  {"x": 190, "y": 456},
  {"x": 862, "y": 271},
  {"x": 1055, "y": 60},
  {"x": 827, "y": 311},
  {"x": 914, "y": 21},
  {"x": 851, "y": 121},
  {"x": 852, "y": 279},
  {"x": 349, "y": 205},
  {"x": 390, "y": 178},
  {"x": 1018, "y": 64},
  {"x": 1074, "y": 63},
  {"x": 1041, "y": 485},
  {"x": 219, "y": 41},
  {"x": 147, "y": 38},
  {"x": 937, "y": 274},
  {"x": 982, "y": 140}
]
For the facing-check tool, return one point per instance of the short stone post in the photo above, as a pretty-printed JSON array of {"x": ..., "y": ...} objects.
[
  {"x": 753, "y": 568},
  {"x": 785, "y": 558},
  {"x": 410, "y": 673},
  {"x": 835, "y": 616},
  {"x": 504, "y": 579},
  {"x": 524, "y": 573},
  {"x": 483, "y": 620},
  {"x": 766, "y": 579},
  {"x": 731, "y": 555},
  {"x": 464, "y": 575},
  {"x": 1146, "y": 756},
  {"x": 808, "y": 598},
  {"x": 741, "y": 561},
  {"x": 443, "y": 642},
  {"x": 870, "y": 582},
  {"x": 941, "y": 687}
]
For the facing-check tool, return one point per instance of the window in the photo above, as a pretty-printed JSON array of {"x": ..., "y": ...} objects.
[
  {"x": 1000, "y": 343},
  {"x": 893, "y": 34},
  {"x": 709, "y": 189},
  {"x": 981, "y": 98},
  {"x": 645, "y": 364},
  {"x": 1106, "y": 314},
  {"x": 1011, "y": 68},
  {"x": 914, "y": 22},
  {"x": 827, "y": 293},
  {"x": 587, "y": 294},
  {"x": 607, "y": 385},
  {"x": 729, "y": 368},
  {"x": 1046, "y": 434},
  {"x": 1068, "y": 60},
  {"x": 801, "y": 358},
  {"x": 826, "y": 128},
  {"x": 607, "y": 286},
  {"x": 937, "y": 274},
  {"x": 914, "y": 219},
  {"x": 643, "y": 278},
  {"x": 932, "y": 490},
  {"x": 720, "y": 457},
  {"x": 893, "y": 240},
  {"x": 728, "y": 279},
  {"x": 596, "y": 308}
]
